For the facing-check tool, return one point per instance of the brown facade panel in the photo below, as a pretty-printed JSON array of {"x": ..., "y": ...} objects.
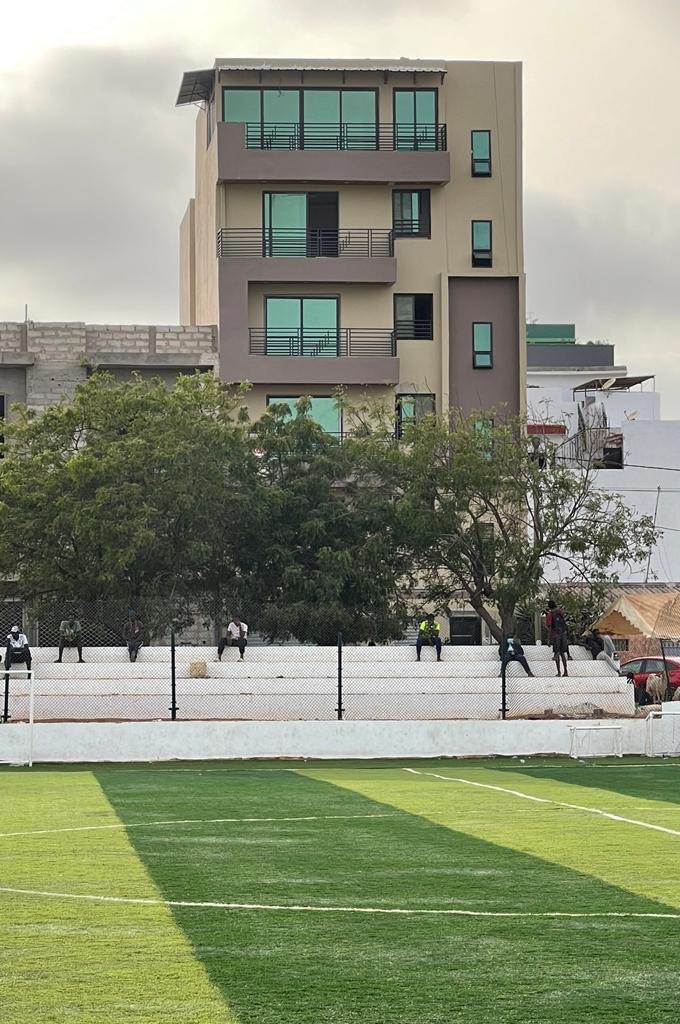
[{"x": 493, "y": 300}]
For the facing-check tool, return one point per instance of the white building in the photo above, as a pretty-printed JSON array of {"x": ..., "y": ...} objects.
[{"x": 593, "y": 408}]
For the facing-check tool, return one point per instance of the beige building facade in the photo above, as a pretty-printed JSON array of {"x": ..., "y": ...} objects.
[{"x": 358, "y": 224}]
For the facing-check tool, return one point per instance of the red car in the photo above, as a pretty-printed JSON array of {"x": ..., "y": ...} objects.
[{"x": 640, "y": 668}]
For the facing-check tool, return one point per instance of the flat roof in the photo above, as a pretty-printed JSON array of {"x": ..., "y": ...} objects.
[{"x": 197, "y": 86}]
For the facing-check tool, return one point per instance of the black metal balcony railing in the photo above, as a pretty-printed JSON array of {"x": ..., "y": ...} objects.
[
  {"x": 409, "y": 330},
  {"x": 349, "y": 242},
  {"x": 293, "y": 135},
  {"x": 322, "y": 343}
]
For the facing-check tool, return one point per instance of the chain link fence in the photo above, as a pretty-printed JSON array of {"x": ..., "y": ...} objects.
[{"x": 305, "y": 682}]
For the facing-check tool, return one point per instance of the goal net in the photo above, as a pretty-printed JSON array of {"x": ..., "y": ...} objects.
[
  {"x": 662, "y": 733},
  {"x": 595, "y": 740}
]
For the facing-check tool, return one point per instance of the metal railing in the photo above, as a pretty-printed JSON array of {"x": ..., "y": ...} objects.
[
  {"x": 333, "y": 136},
  {"x": 406, "y": 330},
  {"x": 330, "y": 343},
  {"x": 306, "y": 243}
]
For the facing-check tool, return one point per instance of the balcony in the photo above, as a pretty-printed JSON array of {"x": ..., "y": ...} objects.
[
  {"x": 370, "y": 154},
  {"x": 345, "y": 243},
  {"x": 345, "y": 342}
]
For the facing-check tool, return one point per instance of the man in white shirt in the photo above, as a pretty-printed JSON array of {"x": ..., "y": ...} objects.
[
  {"x": 237, "y": 636},
  {"x": 18, "y": 652}
]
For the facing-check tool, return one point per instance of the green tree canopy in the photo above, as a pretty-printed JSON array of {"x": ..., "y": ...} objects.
[{"x": 490, "y": 514}]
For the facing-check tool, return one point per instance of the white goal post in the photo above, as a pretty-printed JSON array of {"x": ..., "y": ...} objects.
[
  {"x": 26, "y": 674},
  {"x": 595, "y": 740},
  {"x": 662, "y": 731}
]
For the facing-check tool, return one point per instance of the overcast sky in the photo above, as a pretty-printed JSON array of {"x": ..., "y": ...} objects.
[{"x": 96, "y": 163}]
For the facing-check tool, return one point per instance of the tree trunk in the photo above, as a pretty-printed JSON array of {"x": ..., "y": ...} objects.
[
  {"x": 486, "y": 616},
  {"x": 508, "y": 619}
]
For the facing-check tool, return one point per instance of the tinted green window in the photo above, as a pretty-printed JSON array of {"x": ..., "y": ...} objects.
[
  {"x": 359, "y": 119},
  {"x": 411, "y": 212},
  {"x": 322, "y": 106},
  {"x": 481, "y": 243},
  {"x": 324, "y": 410},
  {"x": 281, "y": 106},
  {"x": 285, "y": 224},
  {"x": 415, "y": 116},
  {"x": 242, "y": 105},
  {"x": 481, "y": 234},
  {"x": 307, "y": 327},
  {"x": 481, "y": 154},
  {"x": 482, "y": 346}
]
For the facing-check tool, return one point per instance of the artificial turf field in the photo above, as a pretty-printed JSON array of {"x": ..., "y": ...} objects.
[{"x": 204, "y": 888}]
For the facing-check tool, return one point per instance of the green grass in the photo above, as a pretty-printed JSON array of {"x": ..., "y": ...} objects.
[{"x": 429, "y": 844}]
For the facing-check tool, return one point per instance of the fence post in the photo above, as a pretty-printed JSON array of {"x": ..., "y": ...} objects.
[
  {"x": 5, "y": 708},
  {"x": 173, "y": 678},
  {"x": 340, "y": 708},
  {"x": 504, "y": 696}
]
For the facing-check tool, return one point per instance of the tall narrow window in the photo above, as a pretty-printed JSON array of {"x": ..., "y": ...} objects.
[
  {"x": 411, "y": 212},
  {"x": 482, "y": 346},
  {"x": 413, "y": 317},
  {"x": 481, "y": 243},
  {"x": 480, "y": 149},
  {"x": 415, "y": 118},
  {"x": 281, "y": 118},
  {"x": 411, "y": 409},
  {"x": 244, "y": 106}
]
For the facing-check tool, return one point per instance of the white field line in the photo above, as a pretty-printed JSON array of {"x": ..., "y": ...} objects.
[
  {"x": 189, "y": 821},
  {"x": 296, "y": 907},
  {"x": 553, "y": 803}
]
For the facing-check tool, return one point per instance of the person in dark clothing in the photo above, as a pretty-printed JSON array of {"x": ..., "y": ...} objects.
[
  {"x": 133, "y": 634},
  {"x": 512, "y": 650},
  {"x": 556, "y": 623},
  {"x": 594, "y": 643},
  {"x": 17, "y": 651}
]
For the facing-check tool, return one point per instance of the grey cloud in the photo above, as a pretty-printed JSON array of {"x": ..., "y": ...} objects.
[
  {"x": 94, "y": 181},
  {"x": 614, "y": 252}
]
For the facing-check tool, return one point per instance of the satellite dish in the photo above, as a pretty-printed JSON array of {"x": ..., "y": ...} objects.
[
  {"x": 609, "y": 383},
  {"x": 632, "y": 416}
]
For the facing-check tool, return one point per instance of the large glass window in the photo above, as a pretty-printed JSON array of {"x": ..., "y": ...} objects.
[
  {"x": 285, "y": 224},
  {"x": 413, "y": 317},
  {"x": 481, "y": 243},
  {"x": 480, "y": 149},
  {"x": 331, "y": 118},
  {"x": 411, "y": 212},
  {"x": 415, "y": 118},
  {"x": 482, "y": 346},
  {"x": 301, "y": 326},
  {"x": 412, "y": 408},
  {"x": 324, "y": 410}
]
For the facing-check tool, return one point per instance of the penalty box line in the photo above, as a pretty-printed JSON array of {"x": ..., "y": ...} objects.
[
  {"x": 191, "y": 821},
  {"x": 547, "y": 800},
  {"x": 303, "y": 908}
]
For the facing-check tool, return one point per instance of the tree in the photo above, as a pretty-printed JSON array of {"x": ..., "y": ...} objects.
[
  {"x": 118, "y": 493},
  {"x": 492, "y": 514},
  {"x": 331, "y": 564}
]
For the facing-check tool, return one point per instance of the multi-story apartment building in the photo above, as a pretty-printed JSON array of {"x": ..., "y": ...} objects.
[{"x": 358, "y": 224}]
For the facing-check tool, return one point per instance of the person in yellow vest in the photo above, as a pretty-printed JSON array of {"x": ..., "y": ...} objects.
[{"x": 428, "y": 636}]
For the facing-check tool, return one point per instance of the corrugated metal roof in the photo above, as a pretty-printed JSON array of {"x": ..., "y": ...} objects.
[
  {"x": 196, "y": 86},
  {"x": 274, "y": 64}
]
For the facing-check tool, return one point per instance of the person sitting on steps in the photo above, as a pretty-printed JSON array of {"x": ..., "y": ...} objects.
[
  {"x": 512, "y": 650},
  {"x": 428, "y": 636},
  {"x": 70, "y": 635}
]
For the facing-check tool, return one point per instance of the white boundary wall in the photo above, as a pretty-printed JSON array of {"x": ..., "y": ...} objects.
[{"x": 161, "y": 741}]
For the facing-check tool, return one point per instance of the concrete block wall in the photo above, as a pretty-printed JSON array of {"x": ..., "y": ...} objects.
[{"x": 53, "y": 357}]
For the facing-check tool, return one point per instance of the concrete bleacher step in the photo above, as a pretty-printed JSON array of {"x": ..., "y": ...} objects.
[{"x": 284, "y": 654}]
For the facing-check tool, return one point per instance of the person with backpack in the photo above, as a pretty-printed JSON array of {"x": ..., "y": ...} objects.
[{"x": 558, "y": 633}]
